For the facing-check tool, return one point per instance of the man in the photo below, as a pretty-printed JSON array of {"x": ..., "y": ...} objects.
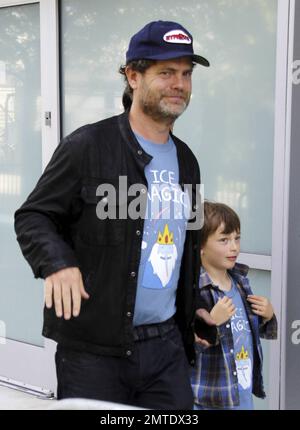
[{"x": 119, "y": 288}]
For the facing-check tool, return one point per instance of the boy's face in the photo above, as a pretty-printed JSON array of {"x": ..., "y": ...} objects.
[{"x": 221, "y": 250}]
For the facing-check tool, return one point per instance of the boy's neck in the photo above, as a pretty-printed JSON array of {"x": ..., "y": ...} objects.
[{"x": 219, "y": 278}]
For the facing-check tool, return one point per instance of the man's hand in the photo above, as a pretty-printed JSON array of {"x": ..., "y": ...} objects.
[
  {"x": 222, "y": 311},
  {"x": 205, "y": 316},
  {"x": 66, "y": 289},
  {"x": 261, "y": 306}
]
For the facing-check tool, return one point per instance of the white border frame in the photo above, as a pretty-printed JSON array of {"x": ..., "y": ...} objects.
[
  {"x": 51, "y": 136},
  {"x": 20, "y": 361}
]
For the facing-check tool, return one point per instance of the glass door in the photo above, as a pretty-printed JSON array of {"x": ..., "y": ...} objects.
[{"x": 23, "y": 356}]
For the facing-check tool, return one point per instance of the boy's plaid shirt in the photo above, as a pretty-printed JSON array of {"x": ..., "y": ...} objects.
[{"x": 214, "y": 377}]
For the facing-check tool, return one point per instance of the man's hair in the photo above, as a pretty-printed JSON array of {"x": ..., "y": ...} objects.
[
  {"x": 216, "y": 214},
  {"x": 138, "y": 66}
]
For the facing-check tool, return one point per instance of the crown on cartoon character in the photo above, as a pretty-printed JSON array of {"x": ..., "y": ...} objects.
[
  {"x": 166, "y": 238},
  {"x": 242, "y": 355}
]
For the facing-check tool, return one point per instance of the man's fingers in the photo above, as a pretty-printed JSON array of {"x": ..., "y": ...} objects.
[
  {"x": 76, "y": 298},
  {"x": 57, "y": 299},
  {"x": 48, "y": 293},
  {"x": 67, "y": 301},
  {"x": 65, "y": 289},
  {"x": 83, "y": 292}
]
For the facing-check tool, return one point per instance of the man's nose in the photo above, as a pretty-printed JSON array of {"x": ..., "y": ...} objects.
[{"x": 178, "y": 81}]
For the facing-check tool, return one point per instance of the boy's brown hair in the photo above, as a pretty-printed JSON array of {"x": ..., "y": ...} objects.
[{"x": 214, "y": 215}]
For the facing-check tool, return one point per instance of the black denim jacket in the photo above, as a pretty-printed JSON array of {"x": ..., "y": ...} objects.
[{"x": 57, "y": 227}]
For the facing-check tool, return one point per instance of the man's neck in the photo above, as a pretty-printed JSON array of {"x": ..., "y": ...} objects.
[{"x": 155, "y": 131}]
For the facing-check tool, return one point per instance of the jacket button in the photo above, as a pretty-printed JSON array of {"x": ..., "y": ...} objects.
[
  {"x": 227, "y": 325},
  {"x": 143, "y": 190},
  {"x": 129, "y": 314},
  {"x": 140, "y": 152},
  {"x": 138, "y": 233},
  {"x": 234, "y": 373},
  {"x": 128, "y": 353},
  {"x": 133, "y": 274}
]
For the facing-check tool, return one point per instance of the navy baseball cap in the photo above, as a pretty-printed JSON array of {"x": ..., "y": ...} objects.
[{"x": 162, "y": 40}]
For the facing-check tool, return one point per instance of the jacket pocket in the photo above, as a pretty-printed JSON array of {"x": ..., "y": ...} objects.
[{"x": 100, "y": 223}]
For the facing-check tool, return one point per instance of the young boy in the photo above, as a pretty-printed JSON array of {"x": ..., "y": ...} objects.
[{"x": 228, "y": 372}]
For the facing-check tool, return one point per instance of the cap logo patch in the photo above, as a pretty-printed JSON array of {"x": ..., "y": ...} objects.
[{"x": 177, "y": 36}]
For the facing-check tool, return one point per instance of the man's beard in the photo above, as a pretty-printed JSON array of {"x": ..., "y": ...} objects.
[{"x": 158, "y": 109}]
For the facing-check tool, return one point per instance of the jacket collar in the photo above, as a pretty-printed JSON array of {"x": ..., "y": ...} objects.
[{"x": 140, "y": 156}]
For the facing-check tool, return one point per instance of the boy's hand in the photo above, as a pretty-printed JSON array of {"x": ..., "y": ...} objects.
[
  {"x": 261, "y": 306},
  {"x": 223, "y": 310}
]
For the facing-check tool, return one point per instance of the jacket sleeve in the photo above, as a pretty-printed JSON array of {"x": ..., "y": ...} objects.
[
  {"x": 39, "y": 223},
  {"x": 268, "y": 330}
]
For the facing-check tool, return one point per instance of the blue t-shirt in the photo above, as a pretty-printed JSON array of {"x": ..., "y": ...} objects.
[
  {"x": 163, "y": 237},
  {"x": 243, "y": 348}
]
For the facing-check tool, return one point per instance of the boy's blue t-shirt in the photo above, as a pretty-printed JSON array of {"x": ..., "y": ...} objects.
[
  {"x": 163, "y": 237},
  {"x": 243, "y": 348}
]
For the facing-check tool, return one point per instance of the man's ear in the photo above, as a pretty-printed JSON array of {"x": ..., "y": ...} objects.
[{"x": 132, "y": 77}]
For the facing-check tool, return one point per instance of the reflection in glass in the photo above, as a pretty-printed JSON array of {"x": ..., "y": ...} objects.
[
  {"x": 230, "y": 122},
  {"x": 21, "y": 301}
]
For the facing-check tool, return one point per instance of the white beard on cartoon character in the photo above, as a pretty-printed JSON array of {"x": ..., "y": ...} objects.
[{"x": 163, "y": 259}]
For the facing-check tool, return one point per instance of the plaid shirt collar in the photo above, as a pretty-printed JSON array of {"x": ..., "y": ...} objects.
[{"x": 239, "y": 272}]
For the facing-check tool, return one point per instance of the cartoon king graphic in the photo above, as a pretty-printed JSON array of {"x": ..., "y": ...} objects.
[
  {"x": 243, "y": 366},
  {"x": 163, "y": 256}
]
